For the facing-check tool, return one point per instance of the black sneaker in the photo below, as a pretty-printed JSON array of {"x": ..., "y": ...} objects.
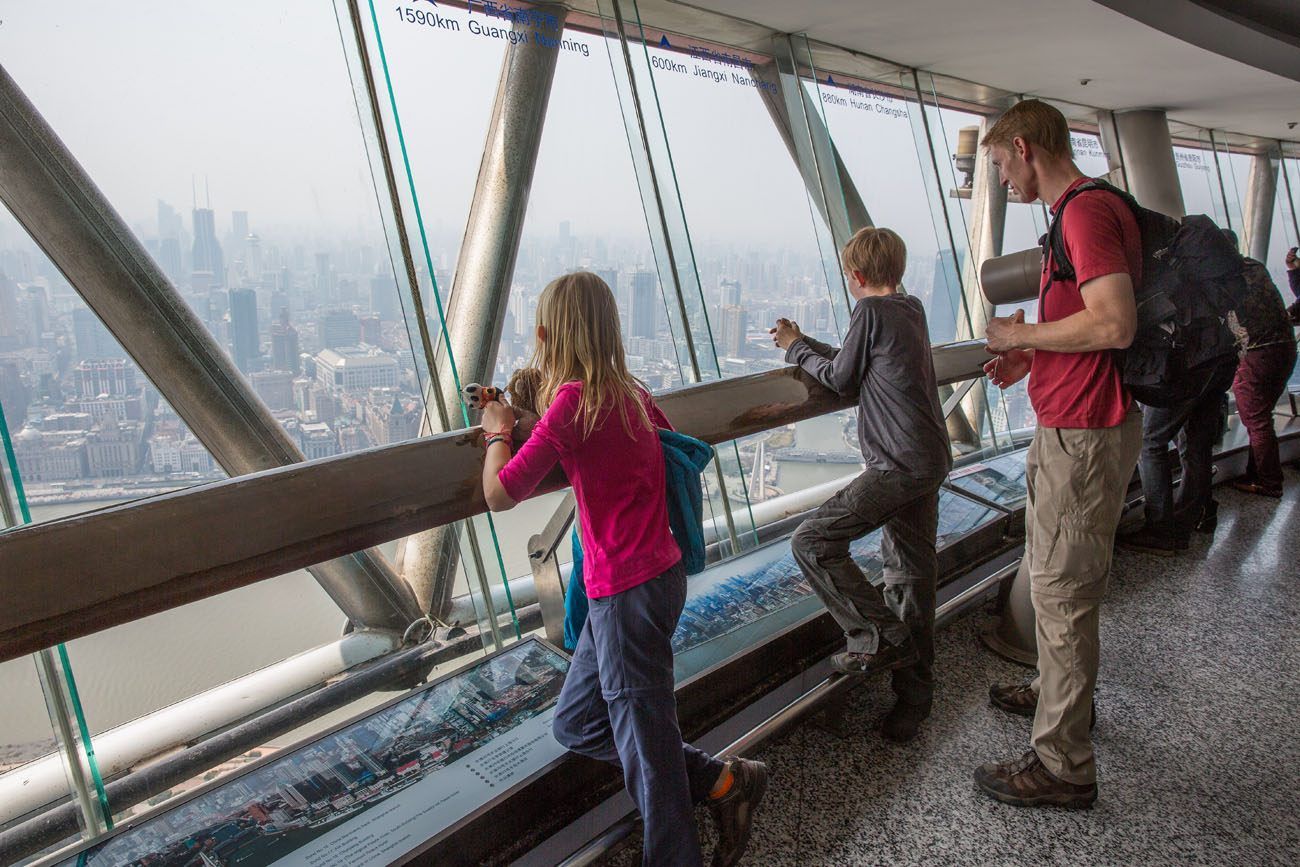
[
  {"x": 733, "y": 813},
  {"x": 903, "y": 723},
  {"x": 1149, "y": 541},
  {"x": 886, "y": 657}
]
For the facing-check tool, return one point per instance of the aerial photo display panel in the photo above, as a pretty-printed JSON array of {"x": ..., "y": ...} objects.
[
  {"x": 374, "y": 789},
  {"x": 732, "y": 605},
  {"x": 999, "y": 480}
]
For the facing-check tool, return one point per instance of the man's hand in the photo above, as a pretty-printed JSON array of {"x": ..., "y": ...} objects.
[
  {"x": 785, "y": 333},
  {"x": 1009, "y": 367},
  {"x": 1003, "y": 332},
  {"x": 497, "y": 416},
  {"x": 1292, "y": 260}
]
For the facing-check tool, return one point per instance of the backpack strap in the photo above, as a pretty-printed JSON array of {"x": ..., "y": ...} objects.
[{"x": 1053, "y": 242}]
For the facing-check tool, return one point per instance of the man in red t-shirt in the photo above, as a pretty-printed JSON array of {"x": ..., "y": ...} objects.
[{"x": 1082, "y": 457}]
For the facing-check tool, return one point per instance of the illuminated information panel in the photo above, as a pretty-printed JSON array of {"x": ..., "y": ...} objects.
[
  {"x": 373, "y": 789},
  {"x": 735, "y": 604},
  {"x": 999, "y": 480}
]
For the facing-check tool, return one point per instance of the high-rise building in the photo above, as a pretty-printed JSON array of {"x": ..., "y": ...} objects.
[
  {"x": 239, "y": 225},
  {"x": 371, "y": 332},
  {"x": 284, "y": 345},
  {"x": 116, "y": 378},
  {"x": 245, "y": 347},
  {"x": 92, "y": 339},
  {"x": 946, "y": 298},
  {"x": 275, "y": 388},
  {"x": 356, "y": 368},
  {"x": 324, "y": 279},
  {"x": 9, "y": 321},
  {"x": 169, "y": 258},
  {"x": 206, "y": 257},
  {"x": 735, "y": 326},
  {"x": 729, "y": 292},
  {"x": 384, "y": 302},
  {"x": 336, "y": 328},
  {"x": 644, "y": 289}
]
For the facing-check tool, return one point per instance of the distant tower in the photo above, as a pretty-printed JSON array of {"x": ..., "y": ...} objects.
[
  {"x": 642, "y": 322},
  {"x": 730, "y": 292},
  {"x": 243, "y": 329},
  {"x": 946, "y": 298},
  {"x": 284, "y": 345},
  {"x": 206, "y": 253}
]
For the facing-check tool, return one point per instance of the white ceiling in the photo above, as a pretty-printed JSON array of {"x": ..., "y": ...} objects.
[{"x": 1045, "y": 48}]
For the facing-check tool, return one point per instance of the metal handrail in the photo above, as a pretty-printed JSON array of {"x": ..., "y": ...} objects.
[{"x": 213, "y": 538}]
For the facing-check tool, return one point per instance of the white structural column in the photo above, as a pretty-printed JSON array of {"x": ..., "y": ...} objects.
[
  {"x": 1261, "y": 193},
  {"x": 1147, "y": 153}
]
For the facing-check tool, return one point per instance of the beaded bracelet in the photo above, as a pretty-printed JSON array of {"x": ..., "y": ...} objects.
[
  {"x": 504, "y": 433},
  {"x": 487, "y": 443}
]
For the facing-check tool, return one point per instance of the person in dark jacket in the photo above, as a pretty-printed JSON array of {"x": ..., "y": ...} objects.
[{"x": 1266, "y": 365}]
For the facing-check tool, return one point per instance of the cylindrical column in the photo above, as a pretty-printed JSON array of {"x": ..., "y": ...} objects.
[
  {"x": 1261, "y": 193},
  {"x": 65, "y": 213},
  {"x": 1148, "y": 154},
  {"x": 480, "y": 291}
]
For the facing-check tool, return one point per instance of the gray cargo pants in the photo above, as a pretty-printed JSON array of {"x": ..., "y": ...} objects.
[{"x": 908, "y": 509}]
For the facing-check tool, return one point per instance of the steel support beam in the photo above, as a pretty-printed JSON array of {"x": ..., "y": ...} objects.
[
  {"x": 65, "y": 213},
  {"x": 1148, "y": 155},
  {"x": 480, "y": 290},
  {"x": 810, "y": 145},
  {"x": 988, "y": 216},
  {"x": 1257, "y": 210},
  {"x": 213, "y": 538}
]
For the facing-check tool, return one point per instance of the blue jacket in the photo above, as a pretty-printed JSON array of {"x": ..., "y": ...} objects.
[{"x": 685, "y": 459}]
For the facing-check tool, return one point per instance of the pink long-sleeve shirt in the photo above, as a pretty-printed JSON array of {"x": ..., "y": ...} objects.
[{"x": 618, "y": 481}]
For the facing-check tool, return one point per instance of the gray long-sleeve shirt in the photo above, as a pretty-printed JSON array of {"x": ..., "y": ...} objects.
[{"x": 886, "y": 361}]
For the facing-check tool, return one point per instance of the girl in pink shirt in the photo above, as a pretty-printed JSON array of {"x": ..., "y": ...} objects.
[{"x": 618, "y": 704}]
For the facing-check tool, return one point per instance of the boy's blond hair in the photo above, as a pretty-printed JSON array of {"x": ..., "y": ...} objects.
[
  {"x": 584, "y": 344},
  {"x": 879, "y": 255},
  {"x": 1038, "y": 123}
]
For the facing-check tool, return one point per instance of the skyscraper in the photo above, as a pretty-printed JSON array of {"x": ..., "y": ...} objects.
[
  {"x": 337, "y": 328},
  {"x": 946, "y": 298},
  {"x": 642, "y": 321},
  {"x": 92, "y": 338},
  {"x": 284, "y": 345},
  {"x": 245, "y": 347},
  {"x": 729, "y": 290},
  {"x": 206, "y": 253},
  {"x": 9, "y": 330},
  {"x": 735, "y": 325}
]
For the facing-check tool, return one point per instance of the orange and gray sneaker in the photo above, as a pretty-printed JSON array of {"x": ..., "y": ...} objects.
[
  {"x": 1025, "y": 782},
  {"x": 733, "y": 811}
]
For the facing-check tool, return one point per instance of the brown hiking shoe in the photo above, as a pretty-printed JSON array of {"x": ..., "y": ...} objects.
[
  {"x": 1021, "y": 699},
  {"x": 886, "y": 657},
  {"x": 733, "y": 813},
  {"x": 1025, "y": 782}
]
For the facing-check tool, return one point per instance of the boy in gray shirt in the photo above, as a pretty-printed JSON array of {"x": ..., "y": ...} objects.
[{"x": 886, "y": 361}]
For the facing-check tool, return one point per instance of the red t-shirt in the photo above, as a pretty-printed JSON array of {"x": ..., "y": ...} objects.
[
  {"x": 618, "y": 481},
  {"x": 1083, "y": 389}
]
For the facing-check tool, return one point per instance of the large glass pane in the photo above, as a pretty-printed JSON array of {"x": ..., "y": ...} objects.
[
  {"x": 1200, "y": 182},
  {"x": 869, "y": 123}
]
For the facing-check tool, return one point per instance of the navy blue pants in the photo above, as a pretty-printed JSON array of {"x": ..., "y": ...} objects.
[{"x": 618, "y": 706}]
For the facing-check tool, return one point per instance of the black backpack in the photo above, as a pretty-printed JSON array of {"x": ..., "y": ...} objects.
[{"x": 1192, "y": 278}]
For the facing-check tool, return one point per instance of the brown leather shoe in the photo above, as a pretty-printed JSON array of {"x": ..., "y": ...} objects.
[
  {"x": 1025, "y": 782},
  {"x": 1021, "y": 699}
]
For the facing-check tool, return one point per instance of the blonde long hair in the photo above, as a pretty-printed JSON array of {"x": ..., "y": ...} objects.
[{"x": 584, "y": 343}]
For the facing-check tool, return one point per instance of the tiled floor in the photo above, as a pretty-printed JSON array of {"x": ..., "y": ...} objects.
[{"x": 1198, "y": 733}]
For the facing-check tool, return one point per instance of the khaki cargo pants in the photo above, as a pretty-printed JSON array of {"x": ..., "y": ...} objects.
[{"x": 1077, "y": 478}]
